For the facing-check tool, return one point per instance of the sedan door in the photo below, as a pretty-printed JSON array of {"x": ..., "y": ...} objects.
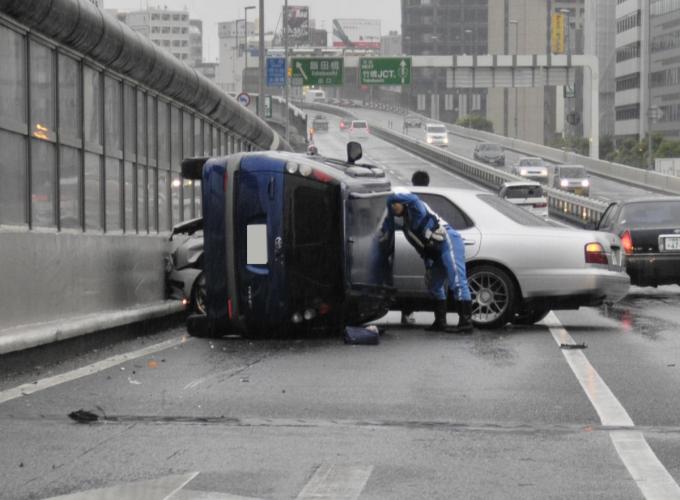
[{"x": 409, "y": 269}]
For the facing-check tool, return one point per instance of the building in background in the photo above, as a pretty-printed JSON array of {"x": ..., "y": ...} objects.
[
  {"x": 390, "y": 44},
  {"x": 232, "y": 37},
  {"x": 665, "y": 74},
  {"x": 166, "y": 28},
  {"x": 519, "y": 27},
  {"x": 450, "y": 27},
  {"x": 600, "y": 40},
  {"x": 647, "y": 68}
]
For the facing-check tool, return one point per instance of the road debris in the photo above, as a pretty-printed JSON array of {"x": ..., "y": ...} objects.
[
  {"x": 582, "y": 345},
  {"x": 83, "y": 416}
]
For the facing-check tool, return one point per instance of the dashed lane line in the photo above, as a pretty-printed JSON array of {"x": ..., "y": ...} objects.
[
  {"x": 654, "y": 481},
  {"x": 46, "y": 383},
  {"x": 336, "y": 482}
]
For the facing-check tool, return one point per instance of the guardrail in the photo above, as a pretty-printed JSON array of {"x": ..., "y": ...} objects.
[{"x": 567, "y": 206}]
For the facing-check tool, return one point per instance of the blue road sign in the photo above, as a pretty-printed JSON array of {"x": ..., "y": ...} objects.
[{"x": 276, "y": 71}]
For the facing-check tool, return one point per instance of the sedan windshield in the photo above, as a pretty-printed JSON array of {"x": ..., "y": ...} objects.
[
  {"x": 652, "y": 213},
  {"x": 573, "y": 172}
]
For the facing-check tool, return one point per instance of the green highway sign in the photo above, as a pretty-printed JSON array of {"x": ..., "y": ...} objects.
[
  {"x": 385, "y": 70},
  {"x": 316, "y": 71}
]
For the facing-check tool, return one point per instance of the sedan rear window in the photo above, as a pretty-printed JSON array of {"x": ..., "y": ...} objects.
[
  {"x": 359, "y": 125},
  {"x": 490, "y": 147},
  {"x": 513, "y": 212},
  {"x": 652, "y": 213},
  {"x": 524, "y": 192}
]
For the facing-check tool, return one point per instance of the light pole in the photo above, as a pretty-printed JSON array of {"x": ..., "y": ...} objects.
[
  {"x": 468, "y": 97},
  {"x": 285, "y": 55},
  {"x": 515, "y": 22},
  {"x": 567, "y": 15},
  {"x": 260, "y": 54}
]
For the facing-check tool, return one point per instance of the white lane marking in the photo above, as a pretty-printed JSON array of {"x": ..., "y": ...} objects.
[
  {"x": 336, "y": 482},
  {"x": 45, "y": 383},
  {"x": 606, "y": 405},
  {"x": 643, "y": 465},
  {"x": 654, "y": 481},
  {"x": 161, "y": 488}
]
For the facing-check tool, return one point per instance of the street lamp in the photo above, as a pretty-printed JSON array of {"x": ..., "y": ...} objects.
[
  {"x": 515, "y": 22},
  {"x": 469, "y": 93}
]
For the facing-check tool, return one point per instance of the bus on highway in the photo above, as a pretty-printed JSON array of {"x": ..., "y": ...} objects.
[{"x": 291, "y": 242}]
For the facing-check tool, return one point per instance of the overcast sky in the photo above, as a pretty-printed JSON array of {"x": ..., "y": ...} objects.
[{"x": 323, "y": 11}]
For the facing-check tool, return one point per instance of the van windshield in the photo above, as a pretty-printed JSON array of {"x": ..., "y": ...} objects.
[
  {"x": 370, "y": 260},
  {"x": 436, "y": 129},
  {"x": 573, "y": 172}
]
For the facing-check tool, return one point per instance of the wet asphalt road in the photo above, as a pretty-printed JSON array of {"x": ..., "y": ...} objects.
[{"x": 499, "y": 414}]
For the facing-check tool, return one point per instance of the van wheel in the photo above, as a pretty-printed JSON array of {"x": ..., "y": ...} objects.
[
  {"x": 493, "y": 296},
  {"x": 198, "y": 295}
]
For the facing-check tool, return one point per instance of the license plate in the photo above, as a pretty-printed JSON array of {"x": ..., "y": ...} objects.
[{"x": 671, "y": 243}]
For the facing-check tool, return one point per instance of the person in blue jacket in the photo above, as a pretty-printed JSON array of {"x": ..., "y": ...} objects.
[{"x": 443, "y": 252}]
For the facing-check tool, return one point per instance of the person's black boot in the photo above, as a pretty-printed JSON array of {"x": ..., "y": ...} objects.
[
  {"x": 465, "y": 326},
  {"x": 439, "y": 324}
]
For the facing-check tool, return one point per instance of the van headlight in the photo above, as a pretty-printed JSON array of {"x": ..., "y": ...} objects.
[
  {"x": 585, "y": 183},
  {"x": 429, "y": 140},
  {"x": 564, "y": 183},
  {"x": 291, "y": 168}
]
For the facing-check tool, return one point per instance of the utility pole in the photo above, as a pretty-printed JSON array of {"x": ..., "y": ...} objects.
[
  {"x": 285, "y": 55},
  {"x": 260, "y": 108},
  {"x": 650, "y": 117},
  {"x": 516, "y": 24}
]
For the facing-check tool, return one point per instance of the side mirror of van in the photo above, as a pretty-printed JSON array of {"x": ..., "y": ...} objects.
[
  {"x": 354, "y": 152},
  {"x": 192, "y": 168}
]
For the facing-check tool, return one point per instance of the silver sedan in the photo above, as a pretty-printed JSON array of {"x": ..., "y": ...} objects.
[{"x": 520, "y": 267}]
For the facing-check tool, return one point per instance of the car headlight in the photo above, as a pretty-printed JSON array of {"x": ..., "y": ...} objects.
[
  {"x": 523, "y": 171},
  {"x": 446, "y": 140},
  {"x": 585, "y": 183},
  {"x": 564, "y": 183},
  {"x": 429, "y": 140}
]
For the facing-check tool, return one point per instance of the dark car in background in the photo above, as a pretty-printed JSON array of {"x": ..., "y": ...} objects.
[
  {"x": 572, "y": 178},
  {"x": 649, "y": 229},
  {"x": 412, "y": 121},
  {"x": 489, "y": 152}
]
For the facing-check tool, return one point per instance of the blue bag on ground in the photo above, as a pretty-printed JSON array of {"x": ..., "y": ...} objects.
[{"x": 356, "y": 335}]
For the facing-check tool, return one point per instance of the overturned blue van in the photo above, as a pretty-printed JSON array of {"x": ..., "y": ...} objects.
[{"x": 291, "y": 242}]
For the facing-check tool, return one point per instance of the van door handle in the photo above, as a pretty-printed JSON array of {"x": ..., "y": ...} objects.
[
  {"x": 469, "y": 243},
  {"x": 271, "y": 188}
]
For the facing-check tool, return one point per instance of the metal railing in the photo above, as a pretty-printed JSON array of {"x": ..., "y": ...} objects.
[{"x": 576, "y": 209}]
